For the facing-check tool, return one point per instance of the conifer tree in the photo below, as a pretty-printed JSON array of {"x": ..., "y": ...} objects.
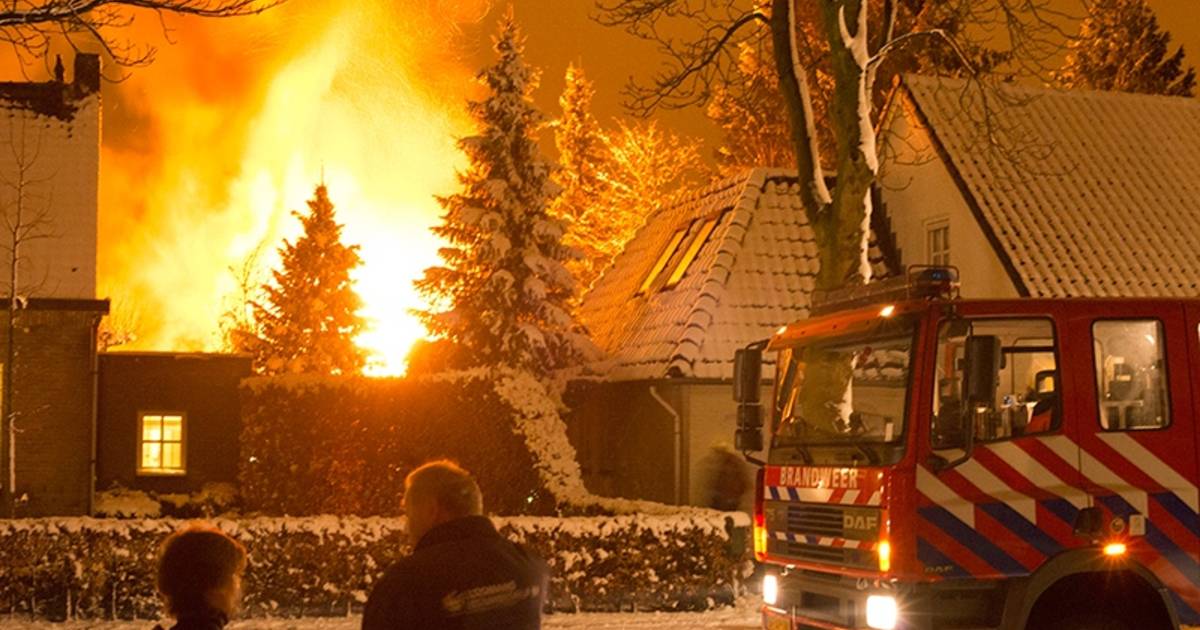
[
  {"x": 308, "y": 318},
  {"x": 503, "y": 290},
  {"x": 1121, "y": 48},
  {"x": 594, "y": 227}
]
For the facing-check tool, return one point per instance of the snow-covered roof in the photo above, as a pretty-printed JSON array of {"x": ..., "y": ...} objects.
[
  {"x": 1107, "y": 202},
  {"x": 754, "y": 273}
]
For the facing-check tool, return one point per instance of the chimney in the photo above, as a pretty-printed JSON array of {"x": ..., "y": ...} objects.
[
  {"x": 58, "y": 69},
  {"x": 87, "y": 72}
]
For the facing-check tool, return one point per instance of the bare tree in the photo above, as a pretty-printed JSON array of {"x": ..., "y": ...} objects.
[
  {"x": 26, "y": 219},
  {"x": 31, "y": 27},
  {"x": 238, "y": 327},
  {"x": 121, "y": 326},
  {"x": 828, "y": 45}
]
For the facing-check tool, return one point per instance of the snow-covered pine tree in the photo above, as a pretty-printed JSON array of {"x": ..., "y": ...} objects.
[
  {"x": 1121, "y": 48},
  {"x": 309, "y": 317},
  {"x": 503, "y": 290},
  {"x": 594, "y": 228}
]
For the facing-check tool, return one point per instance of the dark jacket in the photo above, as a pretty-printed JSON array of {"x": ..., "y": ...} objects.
[{"x": 461, "y": 575}]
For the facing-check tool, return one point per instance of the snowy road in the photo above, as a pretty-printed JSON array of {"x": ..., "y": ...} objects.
[{"x": 742, "y": 618}]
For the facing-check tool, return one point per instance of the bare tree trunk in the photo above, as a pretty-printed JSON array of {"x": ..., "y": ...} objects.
[{"x": 840, "y": 220}]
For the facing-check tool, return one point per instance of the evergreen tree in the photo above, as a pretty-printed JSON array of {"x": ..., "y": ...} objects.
[
  {"x": 593, "y": 227},
  {"x": 1121, "y": 48},
  {"x": 308, "y": 318},
  {"x": 502, "y": 292}
]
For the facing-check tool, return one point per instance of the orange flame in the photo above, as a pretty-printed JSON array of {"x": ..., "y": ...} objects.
[{"x": 201, "y": 166}]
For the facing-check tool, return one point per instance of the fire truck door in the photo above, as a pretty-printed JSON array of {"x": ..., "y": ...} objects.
[{"x": 1137, "y": 439}]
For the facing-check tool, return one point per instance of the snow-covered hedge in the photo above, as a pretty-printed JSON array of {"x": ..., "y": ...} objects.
[
  {"x": 92, "y": 568},
  {"x": 315, "y": 445}
]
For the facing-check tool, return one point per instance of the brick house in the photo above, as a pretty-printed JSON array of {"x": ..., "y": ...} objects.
[
  {"x": 169, "y": 423},
  {"x": 50, "y": 144},
  {"x": 716, "y": 270}
]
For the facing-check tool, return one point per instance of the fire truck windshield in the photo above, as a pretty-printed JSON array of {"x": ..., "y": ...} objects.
[{"x": 847, "y": 390}]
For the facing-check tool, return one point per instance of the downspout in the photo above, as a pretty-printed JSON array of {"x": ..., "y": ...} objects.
[
  {"x": 678, "y": 436},
  {"x": 95, "y": 352}
]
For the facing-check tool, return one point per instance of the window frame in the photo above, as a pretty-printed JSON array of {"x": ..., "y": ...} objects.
[
  {"x": 699, "y": 240},
  {"x": 664, "y": 259},
  {"x": 1168, "y": 407},
  {"x": 932, "y": 226},
  {"x": 140, "y": 469},
  {"x": 1056, "y": 428}
]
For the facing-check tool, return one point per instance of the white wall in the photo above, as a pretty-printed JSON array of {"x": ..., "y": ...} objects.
[
  {"x": 918, "y": 189},
  {"x": 63, "y": 157}
]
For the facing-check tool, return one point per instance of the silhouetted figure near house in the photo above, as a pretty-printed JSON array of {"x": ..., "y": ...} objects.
[
  {"x": 200, "y": 577},
  {"x": 725, "y": 478},
  {"x": 462, "y": 573}
]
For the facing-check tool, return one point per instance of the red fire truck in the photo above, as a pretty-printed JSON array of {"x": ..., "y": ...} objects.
[{"x": 936, "y": 462}]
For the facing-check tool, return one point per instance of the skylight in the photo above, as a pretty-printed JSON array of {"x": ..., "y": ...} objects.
[
  {"x": 693, "y": 249},
  {"x": 662, "y": 261}
]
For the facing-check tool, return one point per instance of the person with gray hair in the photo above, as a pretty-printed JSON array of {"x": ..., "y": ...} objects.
[{"x": 462, "y": 573}]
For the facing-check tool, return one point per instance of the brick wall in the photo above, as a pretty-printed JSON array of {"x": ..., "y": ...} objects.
[
  {"x": 53, "y": 400},
  {"x": 204, "y": 387}
]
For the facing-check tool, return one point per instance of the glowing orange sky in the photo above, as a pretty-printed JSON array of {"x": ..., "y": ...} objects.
[{"x": 208, "y": 150}]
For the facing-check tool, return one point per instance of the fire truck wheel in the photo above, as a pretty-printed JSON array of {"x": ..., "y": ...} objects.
[{"x": 1093, "y": 622}]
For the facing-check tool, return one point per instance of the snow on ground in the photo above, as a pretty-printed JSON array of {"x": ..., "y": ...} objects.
[{"x": 744, "y": 617}]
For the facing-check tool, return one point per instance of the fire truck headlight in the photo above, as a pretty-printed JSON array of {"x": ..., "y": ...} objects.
[
  {"x": 770, "y": 590},
  {"x": 882, "y": 612}
]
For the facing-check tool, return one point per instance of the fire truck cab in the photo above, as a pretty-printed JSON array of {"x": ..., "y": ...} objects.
[{"x": 936, "y": 462}]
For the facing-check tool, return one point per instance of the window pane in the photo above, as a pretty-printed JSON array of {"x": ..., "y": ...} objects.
[
  {"x": 151, "y": 428},
  {"x": 692, "y": 251},
  {"x": 172, "y": 456},
  {"x": 152, "y": 455},
  {"x": 172, "y": 428},
  {"x": 662, "y": 261},
  {"x": 1026, "y": 401},
  {"x": 1131, "y": 377}
]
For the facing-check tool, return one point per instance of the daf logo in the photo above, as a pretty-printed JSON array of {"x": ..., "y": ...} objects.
[{"x": 860, "y": 522}]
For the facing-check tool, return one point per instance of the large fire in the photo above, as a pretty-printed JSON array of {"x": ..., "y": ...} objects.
[{"x": 364, "y": 94}]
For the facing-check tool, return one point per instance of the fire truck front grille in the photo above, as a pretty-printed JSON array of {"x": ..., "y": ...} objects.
[
  {"x": 810, "y": 519},
  {"x": 840, "y": 556}
]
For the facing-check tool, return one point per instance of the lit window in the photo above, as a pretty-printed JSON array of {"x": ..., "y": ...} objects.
[
  {"x": 937, "y": 243},
  {"x": 160, "y": 444},
  {"x": 1131, "y": 374},
  {"x": 662, "y": 261},
  {"x": 692, "y": 250}
]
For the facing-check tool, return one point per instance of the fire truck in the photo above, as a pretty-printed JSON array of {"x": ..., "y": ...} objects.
[{"x": 939, "y": 462}]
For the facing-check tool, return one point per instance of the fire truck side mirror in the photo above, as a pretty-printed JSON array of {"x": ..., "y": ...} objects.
[
  {"x": 747, "y": 440},
  {"x": 981, "y": 371},
  {"x": 747, "y": 375}
]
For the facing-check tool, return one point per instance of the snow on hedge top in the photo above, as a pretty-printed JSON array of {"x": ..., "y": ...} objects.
[
  {"x": 375, "y": 528},
  {"x": 1105, "y": 200}
]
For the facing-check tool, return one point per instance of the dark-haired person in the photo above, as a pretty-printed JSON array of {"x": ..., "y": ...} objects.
[
  {"x": 462, "y": 573},
  {"x": 200, "y": 577}
]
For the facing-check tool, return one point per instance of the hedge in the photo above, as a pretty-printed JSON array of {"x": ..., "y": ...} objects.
[
  {"x": 86, "y": 568},
  {"x": 320, "y": 445}
]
